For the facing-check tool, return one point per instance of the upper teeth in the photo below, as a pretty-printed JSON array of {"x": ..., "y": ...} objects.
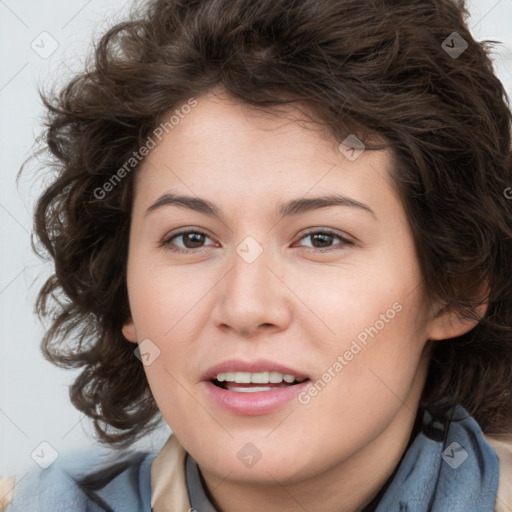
[{"x": 256, "y": 378}]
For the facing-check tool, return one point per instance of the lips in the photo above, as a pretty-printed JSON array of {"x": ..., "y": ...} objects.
[{"x": 253, "y": 388}]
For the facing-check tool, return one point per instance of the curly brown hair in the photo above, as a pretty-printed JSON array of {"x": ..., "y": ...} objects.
[{"x": 378, "y": 69}]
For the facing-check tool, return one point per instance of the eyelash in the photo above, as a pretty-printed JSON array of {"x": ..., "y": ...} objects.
[{"x": 166, "y": 243}]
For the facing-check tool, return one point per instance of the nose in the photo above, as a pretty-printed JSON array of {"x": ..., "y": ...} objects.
[{"x": 253, "y": 298}]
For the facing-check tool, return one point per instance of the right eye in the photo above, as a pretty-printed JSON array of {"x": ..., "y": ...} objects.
[{"x": 189, "y": 240}]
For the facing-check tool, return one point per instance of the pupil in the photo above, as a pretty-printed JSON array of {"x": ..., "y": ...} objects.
[{"x": 193, "y": 240}]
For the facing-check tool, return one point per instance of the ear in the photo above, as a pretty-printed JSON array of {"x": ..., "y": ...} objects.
[
  {"x": 446, "y": 323},
  {"x": 129, "y": 331}
]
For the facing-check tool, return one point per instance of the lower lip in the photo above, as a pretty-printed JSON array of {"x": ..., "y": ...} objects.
[{"x": 256, "y": 403}]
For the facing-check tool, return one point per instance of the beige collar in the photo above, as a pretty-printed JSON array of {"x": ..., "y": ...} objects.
[{"x": 168, "y": 480}]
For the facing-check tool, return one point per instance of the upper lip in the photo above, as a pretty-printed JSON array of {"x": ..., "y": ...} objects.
[{"x": 258, "y": 365}]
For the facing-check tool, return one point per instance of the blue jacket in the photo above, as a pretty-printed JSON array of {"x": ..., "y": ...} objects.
[{"x": 122, "y": 487}]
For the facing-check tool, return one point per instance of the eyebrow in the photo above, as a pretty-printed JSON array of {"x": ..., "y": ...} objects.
[{"x": 290, "y": 208}]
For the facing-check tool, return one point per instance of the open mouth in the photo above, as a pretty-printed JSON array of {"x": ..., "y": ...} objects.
[{"x": 248, "y": 382}]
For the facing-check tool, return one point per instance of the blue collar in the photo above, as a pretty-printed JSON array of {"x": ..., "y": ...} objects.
[
  {"x": 446, "y": 468},
  {"x": 129, "y": 491}
]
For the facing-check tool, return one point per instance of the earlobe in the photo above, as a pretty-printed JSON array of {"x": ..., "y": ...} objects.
[{"x": 129, "y": 331}]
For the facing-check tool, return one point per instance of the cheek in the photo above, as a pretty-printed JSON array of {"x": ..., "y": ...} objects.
[
  {"x": 164, "y": 299},
  {"x": 176, "y": 399},
  {"x": 373, "y": 317},
  {"x": 375, "y": 363},
  {"x": 166, "y": 309},
  {"x": 345, "y": 301}
]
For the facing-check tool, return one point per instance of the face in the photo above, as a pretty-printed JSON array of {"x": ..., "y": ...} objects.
[{"x": 261, "y": 252}]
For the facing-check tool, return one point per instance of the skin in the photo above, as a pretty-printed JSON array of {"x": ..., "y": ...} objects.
[{"x": 298, "y": 303}]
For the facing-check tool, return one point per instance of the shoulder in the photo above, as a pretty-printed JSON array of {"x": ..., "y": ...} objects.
[
  {"x": 94, "y": 486},
  {"x": 38, "y": 489},
  {"x": 503, "y": 450}
]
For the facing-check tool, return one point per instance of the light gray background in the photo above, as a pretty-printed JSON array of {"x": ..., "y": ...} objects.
[{"x": 34, "y": 404}]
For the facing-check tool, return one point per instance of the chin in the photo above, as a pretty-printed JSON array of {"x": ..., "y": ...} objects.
[{"x": 245, "y": 462}]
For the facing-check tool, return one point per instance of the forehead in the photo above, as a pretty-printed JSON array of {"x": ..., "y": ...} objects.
[
  {"x": 219, "y": 122},
  {"x": 223, "y": 147}
]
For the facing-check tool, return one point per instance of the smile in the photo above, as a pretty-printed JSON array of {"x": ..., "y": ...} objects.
[{"x": 252, "y": 388}]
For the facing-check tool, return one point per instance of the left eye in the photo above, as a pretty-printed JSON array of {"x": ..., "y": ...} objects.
[{"x": 324, "y": 239}]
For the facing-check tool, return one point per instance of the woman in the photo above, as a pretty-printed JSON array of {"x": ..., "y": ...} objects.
[{"x": 282, "y": 227}]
